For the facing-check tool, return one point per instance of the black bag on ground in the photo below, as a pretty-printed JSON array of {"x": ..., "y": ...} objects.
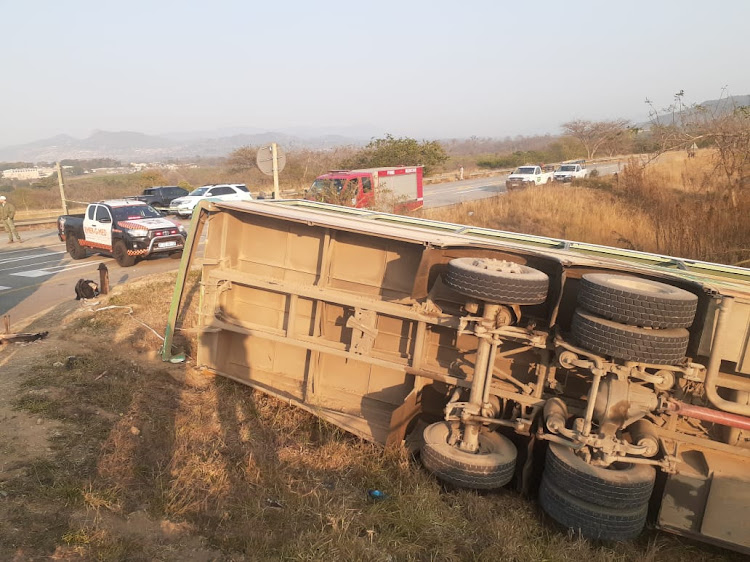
[{"x": 86, "y": 289}]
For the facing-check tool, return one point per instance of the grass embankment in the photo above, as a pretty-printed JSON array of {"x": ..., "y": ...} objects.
[
  {"x": 569, "y": 212},
  {"x": 151, "y": 461},
  {"x": 676, "y": 206}
]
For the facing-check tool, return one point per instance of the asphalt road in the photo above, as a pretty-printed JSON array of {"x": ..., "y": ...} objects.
[
  {"x": 39, "y": 273},
  {"x": 443, "y": 194}
]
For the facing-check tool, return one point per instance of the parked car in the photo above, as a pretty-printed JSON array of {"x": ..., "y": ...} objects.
[
  {"x": 159, "y": 197},
  {"x": 568, "y": 171},
  {"x": 183, "y": 206},
  {"x": 526, "y": 176}
]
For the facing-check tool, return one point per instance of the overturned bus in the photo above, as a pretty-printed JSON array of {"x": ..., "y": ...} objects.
[{"x": 614, "y": 384}]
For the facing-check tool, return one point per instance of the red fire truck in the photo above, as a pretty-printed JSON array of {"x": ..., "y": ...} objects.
[{"x": 398, "y": 186}]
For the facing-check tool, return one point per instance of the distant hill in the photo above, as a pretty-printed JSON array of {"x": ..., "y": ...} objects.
[
  {"x": 726, "y": 104},
  {"x": 123, "y": 140},
  {"x": 131, "y": 146},
  {"x": 136, "y": 147},
  {"x": 713, "y": 107}
]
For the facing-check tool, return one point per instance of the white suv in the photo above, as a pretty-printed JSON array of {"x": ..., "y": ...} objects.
[{"x": 184, "y": 206}]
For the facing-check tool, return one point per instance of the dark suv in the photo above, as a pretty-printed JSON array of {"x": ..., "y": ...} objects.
[{"x": 160, "y": 197}]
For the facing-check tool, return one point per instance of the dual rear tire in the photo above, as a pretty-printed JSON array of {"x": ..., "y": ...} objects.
[
  {"x": 623, "y": 317},
  {"x": 599, "y": 503},
  {"x": 633, "y": 319}
]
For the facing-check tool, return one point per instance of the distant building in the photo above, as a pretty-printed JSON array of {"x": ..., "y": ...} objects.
[
  {"x": 153, "y": 166},
  {"x": 117, "y": 170},
  {"x": 27, "y": 173}
]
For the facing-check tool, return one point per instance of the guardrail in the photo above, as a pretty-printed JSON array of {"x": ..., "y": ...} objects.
[
  {"x": 36, "y": 222},
  {"x": 41, "y": 218}
]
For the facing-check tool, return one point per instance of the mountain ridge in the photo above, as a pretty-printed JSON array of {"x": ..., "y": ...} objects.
[{"x": 136, "y": 146}]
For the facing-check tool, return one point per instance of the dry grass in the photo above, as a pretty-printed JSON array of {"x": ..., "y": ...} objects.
[
  {"x": 569, "y": 212},
  {"x": 158, "y": 462},
  {"x": 674, "y": 170},
  {"x": 692, "y": 210},
  {"x": 675, "y": 205}
]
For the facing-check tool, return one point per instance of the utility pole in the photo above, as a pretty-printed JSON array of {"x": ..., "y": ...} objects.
[
  {"x": 62, "y": 189},
  {"x": 271, "y": 166},
  {"x": 274, "y": 155}
]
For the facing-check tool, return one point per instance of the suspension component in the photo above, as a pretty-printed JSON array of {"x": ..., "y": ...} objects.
[{"x": 643, "y": 434}]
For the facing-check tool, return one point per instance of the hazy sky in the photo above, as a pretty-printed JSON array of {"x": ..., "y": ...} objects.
[{"x": 427, "y": 69}]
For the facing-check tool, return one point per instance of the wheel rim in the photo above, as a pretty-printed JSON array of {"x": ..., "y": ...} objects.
[
  {"x": 490, "y": 443},
  {"x": 498, "y": 265}
]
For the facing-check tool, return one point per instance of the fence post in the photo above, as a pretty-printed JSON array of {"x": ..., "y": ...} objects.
[{"x": 103, "y": 279}]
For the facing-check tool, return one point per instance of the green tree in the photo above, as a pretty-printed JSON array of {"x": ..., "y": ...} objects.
[
  {"x": 391, "y": 151},
  {"x": 12, "y": 165},
  {"x": 49, "y": 181}
]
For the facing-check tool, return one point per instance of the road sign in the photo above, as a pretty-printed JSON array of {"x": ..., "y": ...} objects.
[{"x": 264, "y": 159}]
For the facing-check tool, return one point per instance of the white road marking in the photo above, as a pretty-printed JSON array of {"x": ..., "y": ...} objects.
[
  {"x": 22, "y": 258},
  {"x": 3, "y": 288},
  {"x": 49, "y": 270},
  {"x": 34, "y": 273},
  {"x": 27, "y": 249},
  {"x": 37, "y": 264}
]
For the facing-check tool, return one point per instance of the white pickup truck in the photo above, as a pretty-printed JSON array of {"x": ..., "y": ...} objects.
[
  {"x": 568, "y": 171},
  {"x": 526, "y": 176}
]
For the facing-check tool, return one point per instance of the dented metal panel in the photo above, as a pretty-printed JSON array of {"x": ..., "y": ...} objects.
[
  {"x": 709, "y": 499},
  {"x": 275, "y": 320}
]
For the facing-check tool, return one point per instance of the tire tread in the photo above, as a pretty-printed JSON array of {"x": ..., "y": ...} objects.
[
  {"x": 591, "y": 521},
  {"x": 626, "y": 494},
  {"x": 464, "y": 475},
  {"x": 520, "y": 289},
  {"x": 630, "y": 343},
  {"x": 623, "y": 306}
]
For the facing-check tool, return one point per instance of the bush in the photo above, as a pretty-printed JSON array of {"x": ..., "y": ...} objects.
[
  {"x": 391, "y": 151},
  {"x": 554, "y": 152}
]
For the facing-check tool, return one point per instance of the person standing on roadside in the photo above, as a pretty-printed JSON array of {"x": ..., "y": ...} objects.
[{"x": 7, "y": 214}]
